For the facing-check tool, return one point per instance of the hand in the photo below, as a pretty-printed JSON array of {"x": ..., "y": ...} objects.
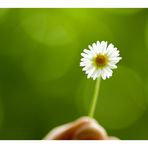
[{"x": 84, "y": 128}]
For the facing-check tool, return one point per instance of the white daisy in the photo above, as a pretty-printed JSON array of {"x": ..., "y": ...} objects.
[{"x": 99, "y": 60}]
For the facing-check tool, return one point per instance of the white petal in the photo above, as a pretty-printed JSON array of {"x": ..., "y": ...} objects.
[
  {"x": 113, "y": 53},
  {"x": 84, "y": 63},
  {"x": 104, "y": 48},
  {"x": 86, "y": 51},
  {"x": 92, "y": 50},
  {"x": 100, "y": 47},
  {"x": 98, "y": 43},
  {"x": 103, "y": 74},
  {"x": 107, "y": 72},
  {"x": 91, "y": 72},
  {"x": 112, "y": 66},
  {"x": 87, "y": 68},
  {"x": 94, "y": 45},
  {"x": 84, "y": 60},
  {"x": 88, "y": 56},
  {"x": 110, "y": 47},
  {"x": 95, "y": 48},
  {"x": 115, "y": 59},
  {"x": 96, "y": 74}
]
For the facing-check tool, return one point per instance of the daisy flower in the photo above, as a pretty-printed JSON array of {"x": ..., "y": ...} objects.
[{"x": 99, "y": 60}]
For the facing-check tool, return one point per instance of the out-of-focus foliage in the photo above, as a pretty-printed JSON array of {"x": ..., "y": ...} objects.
[{"x": 42, "y": 84}]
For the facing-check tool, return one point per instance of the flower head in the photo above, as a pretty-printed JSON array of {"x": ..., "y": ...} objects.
[{"x": 99, "y": 60}]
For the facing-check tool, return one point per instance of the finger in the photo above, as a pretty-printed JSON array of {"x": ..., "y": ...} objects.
[
  {"x": 92, "y": 131},
  {"x": 66, "y": 131}
]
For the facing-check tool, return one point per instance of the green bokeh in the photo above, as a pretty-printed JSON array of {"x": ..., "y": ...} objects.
[
  {"x": 1, "y": 113},
  {"x": 42, "y": 84},
  {"x": 121, "y": 101}
]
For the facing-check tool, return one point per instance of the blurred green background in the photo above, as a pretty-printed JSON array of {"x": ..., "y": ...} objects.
[{"x": 42, "y": 84}]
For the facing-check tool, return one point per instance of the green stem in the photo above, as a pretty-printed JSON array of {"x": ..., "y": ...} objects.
[{"x": 95, "y": 97}]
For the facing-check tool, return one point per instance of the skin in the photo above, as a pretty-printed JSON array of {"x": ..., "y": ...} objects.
[{"x": 84, "y": 128}]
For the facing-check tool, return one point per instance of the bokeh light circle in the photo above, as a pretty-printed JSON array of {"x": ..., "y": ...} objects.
[
  {"x": 121, "y": 101},
  {"x": 47, "y": 26},
  {"x": 56, "y": 41}
]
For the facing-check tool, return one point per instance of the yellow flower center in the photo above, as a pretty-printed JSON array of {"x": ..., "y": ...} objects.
[{"x": 100, "y": 61}]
